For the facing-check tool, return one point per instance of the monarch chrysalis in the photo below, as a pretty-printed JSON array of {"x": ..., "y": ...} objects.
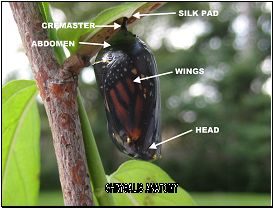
[{"x": 133, "y": 109}]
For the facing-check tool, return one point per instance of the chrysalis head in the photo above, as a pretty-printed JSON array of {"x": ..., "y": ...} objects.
[{"x": 132, "y": 109}]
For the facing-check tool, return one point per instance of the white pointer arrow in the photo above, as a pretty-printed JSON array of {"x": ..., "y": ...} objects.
[
  {"x": 137, "y": 15},
  {"x": 138, "y": 80},
  {"x": 153, "y": 146},
  {"x": 104, "y": 44},
  {"x": 115, "y": 26}
]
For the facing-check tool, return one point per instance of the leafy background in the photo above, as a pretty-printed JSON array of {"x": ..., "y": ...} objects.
[
  {"x": 20, "y": 144},
  {"x": 235, "y": 51}
]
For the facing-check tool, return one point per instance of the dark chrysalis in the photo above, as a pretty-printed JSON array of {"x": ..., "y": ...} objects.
[{"x": 133, "y": 109}]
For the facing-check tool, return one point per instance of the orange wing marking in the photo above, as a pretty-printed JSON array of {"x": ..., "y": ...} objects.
[
  {"x": 119, "y": 109},
  {"x": 130, "y": 84},
  {"x": 123, "y": 93}
]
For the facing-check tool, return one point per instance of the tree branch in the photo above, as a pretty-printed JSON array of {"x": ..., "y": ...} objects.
[{"x": 58, "y": 89}]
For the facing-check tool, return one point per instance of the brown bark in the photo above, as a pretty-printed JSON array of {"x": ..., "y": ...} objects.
[{"x": 58, "y": 89}]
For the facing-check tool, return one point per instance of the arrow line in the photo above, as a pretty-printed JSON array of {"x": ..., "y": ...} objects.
[
  {"x": 137, "y": 15},
  {"x": 115, "y": 25},
  {"x": 104, "y": 44},
  {"x": 153, "y": 146},
  {"x": 138, "y": 80}
]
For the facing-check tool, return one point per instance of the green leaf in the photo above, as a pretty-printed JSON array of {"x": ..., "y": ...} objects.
[
  {"x": 146, "y": 173},
  {"x": 104, "y": 18},
  {"x": 20, "y": 143}
]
